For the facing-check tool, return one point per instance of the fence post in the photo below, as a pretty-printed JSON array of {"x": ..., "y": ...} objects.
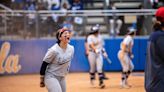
[
  {"x": 37, "y": 25},
  {"x": 5, "y": 27}
]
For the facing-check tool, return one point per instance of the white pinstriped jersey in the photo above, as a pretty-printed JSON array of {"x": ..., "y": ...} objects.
[
  {"x": 98, "y": 42},
  {"x": 128, "y": 41},
  {"x": 59, "y": 60}
]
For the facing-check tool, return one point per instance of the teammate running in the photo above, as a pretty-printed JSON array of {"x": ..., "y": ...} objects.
[
  {"x": 56, "y": 63},
  {"x": 95, "y": 58},
  {"x": 125, "y": 56}
]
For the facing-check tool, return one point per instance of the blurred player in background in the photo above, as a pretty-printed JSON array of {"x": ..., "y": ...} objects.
[
  {"x": 114, "y": 21},
  {"x": 56, "y": 63},
  {"x": 87, "y": 52},
  {"x": 154, "y": 70},
  {"x": 95, "y": 51},
  {"x": 125, "y": 56}
]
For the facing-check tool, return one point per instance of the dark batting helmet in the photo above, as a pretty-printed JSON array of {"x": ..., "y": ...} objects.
[{"x": 95, "y": 29}]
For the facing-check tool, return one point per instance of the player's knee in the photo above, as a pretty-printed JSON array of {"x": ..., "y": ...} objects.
[
  {"x": 99, "y": 70},
  {"x": 92, "y": 70},
  {"x": 125, "y": 69},
  {"x": 132, "y": 68}
]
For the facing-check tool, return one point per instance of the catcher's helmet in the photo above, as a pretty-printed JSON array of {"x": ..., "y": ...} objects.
[
  {"x": 95, "y": 29},
  {"x": 160, "y": 14}
]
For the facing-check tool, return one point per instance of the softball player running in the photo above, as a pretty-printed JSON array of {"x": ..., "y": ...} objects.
[
  {"x": 56, "y": 63},
  {"x": 125, "y": 55},
  {"x": 95, "y": 58}
]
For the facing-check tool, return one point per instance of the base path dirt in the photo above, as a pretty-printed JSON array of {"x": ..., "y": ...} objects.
[{"x": 76, "y": 82}]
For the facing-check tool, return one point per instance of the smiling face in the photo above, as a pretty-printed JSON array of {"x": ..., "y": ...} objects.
[{"x": 65, "y": 37}]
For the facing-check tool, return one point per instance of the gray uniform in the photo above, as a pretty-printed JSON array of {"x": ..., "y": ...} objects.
[
  {"x": 124, "y": 57},
  {"x": 59, "y": 63},
  {"x": 95, "y": 59}
]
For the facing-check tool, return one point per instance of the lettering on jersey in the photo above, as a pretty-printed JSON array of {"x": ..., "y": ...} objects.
[
  {"x": 8, "y": 63},
  {"x": 63, "y": 59}
]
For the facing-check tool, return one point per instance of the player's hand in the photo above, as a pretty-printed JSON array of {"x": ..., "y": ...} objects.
[
  {"x": 96, "y": 51},
  {"x": 105, "y": 54},
  {"x": 131, "y": 56},
  {"x": 42, "y": 81}
]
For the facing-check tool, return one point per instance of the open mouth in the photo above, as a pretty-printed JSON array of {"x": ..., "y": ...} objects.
[{"x": 68, "y": 38}]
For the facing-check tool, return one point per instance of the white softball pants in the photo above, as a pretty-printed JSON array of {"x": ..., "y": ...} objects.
[
  {"x": 55, "y": 83},
  {"x": 125, "y": 61},
  {"x": 95, "y": 62}
]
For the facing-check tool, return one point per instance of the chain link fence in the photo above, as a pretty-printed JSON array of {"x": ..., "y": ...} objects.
[{"x": 19, "y": 24}]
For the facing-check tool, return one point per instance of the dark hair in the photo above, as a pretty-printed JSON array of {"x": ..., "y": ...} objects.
[
  {"x": 132, "y": 33},
  {"x": 158, "y": 25},
  {"x": 94, "y": 32},
  {"x": 57, "y": 37}
]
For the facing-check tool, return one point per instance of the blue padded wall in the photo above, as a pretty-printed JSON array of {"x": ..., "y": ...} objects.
[{"x": 31, "y": 53}]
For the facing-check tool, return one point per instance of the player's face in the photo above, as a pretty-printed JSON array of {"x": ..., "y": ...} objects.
[{"x": 65, "y": 37}]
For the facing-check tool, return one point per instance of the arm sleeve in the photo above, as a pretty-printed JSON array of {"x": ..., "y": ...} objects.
[{"x": 43, "y": 68}]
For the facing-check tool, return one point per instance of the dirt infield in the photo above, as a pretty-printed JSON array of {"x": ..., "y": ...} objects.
[{"x": 76, "y": 82}]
